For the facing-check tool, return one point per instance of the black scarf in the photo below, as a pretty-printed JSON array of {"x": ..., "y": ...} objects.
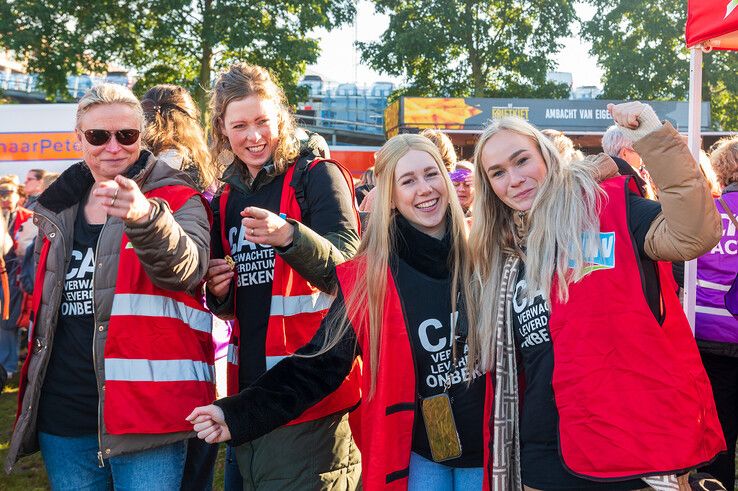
[{"x": 422, "y": 252}]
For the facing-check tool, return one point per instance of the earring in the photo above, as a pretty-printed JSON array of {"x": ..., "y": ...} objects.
[{"x": 225, "y": 157}]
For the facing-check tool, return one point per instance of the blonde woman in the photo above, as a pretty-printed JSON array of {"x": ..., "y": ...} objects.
[
  {"x": 568, "y": 274},
  {"x": 396, "y": 306},
  {"x": 120, "y": 347}
]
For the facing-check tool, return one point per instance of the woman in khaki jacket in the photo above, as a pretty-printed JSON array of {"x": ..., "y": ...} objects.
[
  {"x": 570, "y": 287},
  {"x": 121, "y": 349}
]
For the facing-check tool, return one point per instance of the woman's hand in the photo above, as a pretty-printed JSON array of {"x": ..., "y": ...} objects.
[
  {"x": 264, "y": 227},
  {"x": 122, "y": 198},
  {"x": 209, "y": 423},
  {"x": 627, "y": 114},
  {"x": 219, "y": 277}
]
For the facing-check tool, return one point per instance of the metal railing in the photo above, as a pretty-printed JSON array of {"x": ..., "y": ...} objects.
[{"x": 77, "y": 85}]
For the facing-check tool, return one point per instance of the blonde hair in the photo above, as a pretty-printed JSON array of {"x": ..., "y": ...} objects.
[
  {"x": 242, "y": 80},
  {"x": 564, "y": 145},
  {"x": 104, "y": 94},
  {"x": 724, "y": 160},
  {"x": 562, "y": 225},
  {"x": 172, "y": 122},
  {"x": 49, "y": 179},
  {"x": 378, "y": 244},
  {"x": 444, "y": 145}
]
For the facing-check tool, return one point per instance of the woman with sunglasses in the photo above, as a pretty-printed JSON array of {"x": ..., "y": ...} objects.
[
  {"x": 422, "y": 409},
  {"x": 571, "y": 286},
  {"x": 121, "y": 349}
]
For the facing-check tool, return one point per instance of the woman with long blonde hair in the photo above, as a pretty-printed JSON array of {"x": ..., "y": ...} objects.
[
  {"x": 567, "y": 275},
  {"x": 397, "y": 308}
]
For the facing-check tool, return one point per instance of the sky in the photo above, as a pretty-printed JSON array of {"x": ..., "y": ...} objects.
[{"x": 340, "y": 62}]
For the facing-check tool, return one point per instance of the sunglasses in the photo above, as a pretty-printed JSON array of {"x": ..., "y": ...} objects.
[
  {"x": 6, "y": 192},
  {"x": 101, "y": 137}
]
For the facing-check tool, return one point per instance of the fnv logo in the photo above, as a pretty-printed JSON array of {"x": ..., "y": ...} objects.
[
  {"x": 605, "y": 258},
  {"x": 730, "y": 8}
]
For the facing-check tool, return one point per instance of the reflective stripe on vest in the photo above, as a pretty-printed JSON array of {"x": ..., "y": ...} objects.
[
  {"x": 232, "y": 356},
  {"x": 712, "y": 311},
  {"x": 158, "y": 306},
  {"x": 125, "y": 370},
  {"x": 300, "y": 304},
  {"x": 713, "y": 286},
  {"x": 273, "y": 360}
]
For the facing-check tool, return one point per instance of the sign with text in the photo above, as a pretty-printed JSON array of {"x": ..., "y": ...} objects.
[
  {"x": 60, "y": 145},
  {"x": 473, "y": 114}
]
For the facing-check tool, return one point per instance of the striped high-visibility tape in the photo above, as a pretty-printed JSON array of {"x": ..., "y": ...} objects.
[
  {"x": 125, "y": 370},
  {"x": 300, "y": 304},
  {"x": 160, "y": 306}
]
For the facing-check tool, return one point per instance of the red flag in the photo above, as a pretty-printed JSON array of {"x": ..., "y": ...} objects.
[{"x": 713, "y": 20}]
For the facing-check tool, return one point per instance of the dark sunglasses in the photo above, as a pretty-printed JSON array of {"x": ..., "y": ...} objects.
[
  {"x": 101, "y": 137},
  {"x": 6, "y": 192}
]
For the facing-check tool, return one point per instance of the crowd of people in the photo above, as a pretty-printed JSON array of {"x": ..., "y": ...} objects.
[{"x": 507, "y": 322}]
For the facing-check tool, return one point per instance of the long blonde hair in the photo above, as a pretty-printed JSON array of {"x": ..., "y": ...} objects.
[
  {"x": 563, "y": 224},
  {"x": 172, "y": 122},
  {"x": 379, "y": 242},
  {"x": 242, "y": 80}
]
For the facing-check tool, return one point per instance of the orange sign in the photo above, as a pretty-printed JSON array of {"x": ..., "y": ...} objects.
[
  {"x": 60, "y": 145},
  {"x": 443, "y": 113}
]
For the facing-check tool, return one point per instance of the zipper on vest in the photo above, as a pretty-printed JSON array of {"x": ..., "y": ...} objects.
[{"x": 100, "y": 461}]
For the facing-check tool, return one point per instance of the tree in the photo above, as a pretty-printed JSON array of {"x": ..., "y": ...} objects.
[
  {"x": 472, "y": 47},
  {"x": 639, "y": 44},
  {"x": 175, "y": 41}
]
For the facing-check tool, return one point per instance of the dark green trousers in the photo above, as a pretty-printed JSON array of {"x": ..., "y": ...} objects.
[{"x": 318, "y": 455}]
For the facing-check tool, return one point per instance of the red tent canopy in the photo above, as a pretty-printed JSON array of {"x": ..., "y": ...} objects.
[{"x": 713, "y": 22}]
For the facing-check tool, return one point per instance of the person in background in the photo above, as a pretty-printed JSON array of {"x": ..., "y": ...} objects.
[
  {"x": 564, "y": 145},
  {"x": 365, "y": 185},
  {"x": 121, "y": 349},
  {"x": 282, "y": 222},
  {"x": 617, "y": 143},
  {"x": 463, "y": 180},
  {"x": 716, "y": 329},
  {"x": 33, "y": 186},
  {"x": 709, "y": 172},
  {"x": 174, "y": 135},
  {"x": 444, "y": 145},
  {"x": 14, "y": 218},
  {"x": 571, "y": 286}
]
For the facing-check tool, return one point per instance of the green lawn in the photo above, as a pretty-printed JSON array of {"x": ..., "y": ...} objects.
[{"x": 29, "y": 473}]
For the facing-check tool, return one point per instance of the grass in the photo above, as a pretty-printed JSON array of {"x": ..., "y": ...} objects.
[{"x": 29, "y": 473}]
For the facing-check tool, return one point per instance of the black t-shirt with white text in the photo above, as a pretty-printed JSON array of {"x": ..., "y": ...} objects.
[
  {"x": 254, "y": 278},
  {"x": 428, "y": 314},
  {"x": 69, "y": 398}
]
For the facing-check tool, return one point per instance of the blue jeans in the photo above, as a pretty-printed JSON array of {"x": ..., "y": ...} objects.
[
  {"x": 71, "y": 464},
  {"x": 426, "y": 475}
]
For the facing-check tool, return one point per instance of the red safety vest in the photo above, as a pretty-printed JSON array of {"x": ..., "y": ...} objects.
[
  {"x": 386, "y": 420},
  {"x": 297, "y": 309},
  {"x": 159, "y": 360},
  {"x": 632, "y": 395}
]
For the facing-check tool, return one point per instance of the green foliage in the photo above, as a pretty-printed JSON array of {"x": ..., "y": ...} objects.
[
  {"x": 639, "y": 44},
  {"x": 459, "y": 48},
  {"x": 172, "y": 41}
]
